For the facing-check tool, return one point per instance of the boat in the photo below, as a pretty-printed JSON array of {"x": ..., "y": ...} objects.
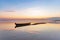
[
  {"x": 26, "y": 24},
  {"x": 22, "y": 24}
]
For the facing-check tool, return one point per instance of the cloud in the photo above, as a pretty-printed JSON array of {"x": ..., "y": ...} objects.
[{"x": 9, "y": 11}]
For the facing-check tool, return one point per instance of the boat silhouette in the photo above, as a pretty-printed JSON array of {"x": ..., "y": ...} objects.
[
  {"x": 22, "y": 24},
  {"x": 26, "y": 24}
]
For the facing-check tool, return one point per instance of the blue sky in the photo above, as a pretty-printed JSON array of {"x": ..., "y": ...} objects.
[
  {"x": 50, "y": 6},
  {"x": 7, "y": 4}
]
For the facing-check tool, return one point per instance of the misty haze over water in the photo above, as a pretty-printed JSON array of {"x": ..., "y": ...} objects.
[{"x": 33, "y": 32}]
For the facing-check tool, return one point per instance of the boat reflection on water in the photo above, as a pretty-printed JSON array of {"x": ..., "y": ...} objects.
[{"x": 26, "y": 24}]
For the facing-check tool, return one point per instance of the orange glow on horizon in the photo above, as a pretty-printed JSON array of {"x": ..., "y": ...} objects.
[{"x": 24, "y": 17}]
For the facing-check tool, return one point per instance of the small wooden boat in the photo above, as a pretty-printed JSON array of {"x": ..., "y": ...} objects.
[
  {"x": 26, "y": 24},
  {"x": 22, "y": 24}
]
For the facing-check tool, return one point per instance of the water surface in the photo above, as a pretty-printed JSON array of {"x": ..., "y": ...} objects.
[{"x": 32, "y": 32}]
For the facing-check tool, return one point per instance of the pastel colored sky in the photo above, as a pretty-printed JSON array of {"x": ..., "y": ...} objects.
[{"x": 29, "y": 8}]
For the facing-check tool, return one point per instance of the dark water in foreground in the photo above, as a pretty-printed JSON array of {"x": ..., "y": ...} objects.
[{"x": 32, "y": 32}]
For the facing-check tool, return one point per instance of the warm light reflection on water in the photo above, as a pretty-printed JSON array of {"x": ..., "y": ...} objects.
[
  {"x": 40, "y": 28},
  {"x": 31, "y": 28},
  {"x": 32, "y": 32},
  {"x": 6, "y": 26}
]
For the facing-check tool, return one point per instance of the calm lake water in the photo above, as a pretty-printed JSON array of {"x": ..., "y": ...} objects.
[{"x": 32, "y": 32}]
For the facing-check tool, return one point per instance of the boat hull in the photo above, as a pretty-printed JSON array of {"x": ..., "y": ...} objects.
[
  {"x": 21, "y": 25},
  {"x": 26, "y": 24}
]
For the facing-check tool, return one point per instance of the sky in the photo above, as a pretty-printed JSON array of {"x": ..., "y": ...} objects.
[{"x": 29, "y": 8}]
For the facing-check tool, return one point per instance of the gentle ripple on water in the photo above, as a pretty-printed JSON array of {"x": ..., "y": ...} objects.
[{"x": 32, "y": 32}]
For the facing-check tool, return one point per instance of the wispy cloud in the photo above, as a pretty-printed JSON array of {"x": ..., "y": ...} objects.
[{"x": 9, "y": 11}]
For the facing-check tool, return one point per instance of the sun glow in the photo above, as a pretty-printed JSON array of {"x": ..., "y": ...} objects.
[{"x": 36, "y": 12}]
